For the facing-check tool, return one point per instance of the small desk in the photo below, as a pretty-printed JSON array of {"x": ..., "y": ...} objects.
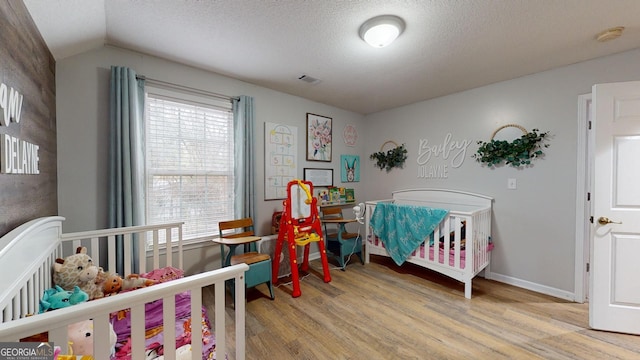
[
  {"x": 344, "y": 204},
  {"x": 233, "y": 243},
  {"x": 338, "y": 221}
]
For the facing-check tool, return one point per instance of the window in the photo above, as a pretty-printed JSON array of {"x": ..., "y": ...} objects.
[{"x": 189, "y": 161}]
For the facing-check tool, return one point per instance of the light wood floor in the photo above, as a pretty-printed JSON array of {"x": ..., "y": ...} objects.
[{"x": 382, "y": 311}]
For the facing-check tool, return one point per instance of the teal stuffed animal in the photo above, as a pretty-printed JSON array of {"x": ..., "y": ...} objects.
[{"x": 57, "y": 298}]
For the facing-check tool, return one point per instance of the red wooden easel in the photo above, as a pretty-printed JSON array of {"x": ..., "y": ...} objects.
[{"x": 299, "y": 226}]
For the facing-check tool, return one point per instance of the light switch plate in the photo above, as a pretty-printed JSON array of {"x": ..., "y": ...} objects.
[{"x": 512, "y": 184}]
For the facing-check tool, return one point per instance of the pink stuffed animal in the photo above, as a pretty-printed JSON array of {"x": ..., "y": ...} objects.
[{"x": 80, "y": 336}]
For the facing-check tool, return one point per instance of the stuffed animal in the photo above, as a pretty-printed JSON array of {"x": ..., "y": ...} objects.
[
  {"x": 134, "y": 281},
  {"x": 77, "y": 270},
  {"x": 57, "y": 298},
  {"x": 114, "y": 283},
  {"x": 80, "y": 337}
]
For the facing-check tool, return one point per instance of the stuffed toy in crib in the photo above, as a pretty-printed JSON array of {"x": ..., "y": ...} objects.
[
  {"x": 57, "y": 298},
  {"x": 114, "y": 283},
  {"x": 80, "y": 337},
  {"x": 77, "y": 270}
]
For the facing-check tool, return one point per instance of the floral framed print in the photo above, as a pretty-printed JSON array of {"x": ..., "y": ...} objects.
[{"x": 318, "y": 138}]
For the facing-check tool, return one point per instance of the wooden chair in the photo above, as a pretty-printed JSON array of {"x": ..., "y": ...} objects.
[
  {"x": 259, "y": 264},
  {"x": 340, "y": 242}
]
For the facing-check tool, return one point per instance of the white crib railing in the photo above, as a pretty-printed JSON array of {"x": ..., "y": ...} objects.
[
  {"x": 55, "y": 322},
  {"x": 28, "y": 252},
  {"x": 146, "y": 237}
]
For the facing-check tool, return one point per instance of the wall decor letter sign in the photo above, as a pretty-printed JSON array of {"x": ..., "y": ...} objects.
[
  {"x": 453, "y": 154},
  {"x": 16, "y": 156}
]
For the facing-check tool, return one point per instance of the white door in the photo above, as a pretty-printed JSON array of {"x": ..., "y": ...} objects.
[{"x": 614, "y": 300}]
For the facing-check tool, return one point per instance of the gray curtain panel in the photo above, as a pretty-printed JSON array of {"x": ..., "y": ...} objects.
[
  {"x": 244, "y": 185},
  {"x": 126, "y": 157}
]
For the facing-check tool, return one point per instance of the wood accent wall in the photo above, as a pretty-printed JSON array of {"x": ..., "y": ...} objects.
[{"x": 26, "y": 64}]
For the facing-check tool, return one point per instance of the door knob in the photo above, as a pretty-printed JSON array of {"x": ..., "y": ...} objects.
[{"x": 603, "y": 220}]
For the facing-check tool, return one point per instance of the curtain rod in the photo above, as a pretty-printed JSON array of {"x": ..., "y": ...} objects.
[{"x": 185, "y": 88}]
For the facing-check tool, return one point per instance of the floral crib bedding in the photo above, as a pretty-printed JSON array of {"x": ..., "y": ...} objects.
[
  {"x": 421, "y": 251},
  {"x": 154, "y": 338}
]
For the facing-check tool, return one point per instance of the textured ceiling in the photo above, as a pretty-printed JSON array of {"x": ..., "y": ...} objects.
[{"x": 448, "y": 45}]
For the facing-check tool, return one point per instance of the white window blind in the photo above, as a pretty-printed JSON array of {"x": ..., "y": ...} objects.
[{"x": 189, "y": 161}]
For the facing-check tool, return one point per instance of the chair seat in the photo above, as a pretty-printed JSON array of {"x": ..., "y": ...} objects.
[
  {"x": 237, "y": 232},
  {"x": 339, "y": 242},
  {"x": 249, "y": 258}
]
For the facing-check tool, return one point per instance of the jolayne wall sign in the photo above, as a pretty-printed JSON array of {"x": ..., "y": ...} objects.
[
  {"x": 446, "y": 155},
  {"x": 16, "y": 156}
]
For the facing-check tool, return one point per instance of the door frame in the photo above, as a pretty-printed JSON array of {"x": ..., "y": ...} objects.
[{"x": 583, "y": 205}]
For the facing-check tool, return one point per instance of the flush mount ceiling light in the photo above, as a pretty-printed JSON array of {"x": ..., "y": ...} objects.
[{"x": 380, "y": 31}]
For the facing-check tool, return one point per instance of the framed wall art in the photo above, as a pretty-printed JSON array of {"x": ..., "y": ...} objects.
[
  {"x": 350, "y": 135},
  {"x": 280, "y": 161},
  {"x": 319, "y": 177},
  {"x": 318, "y": 138},
  {"x": 349, "y": 168}
]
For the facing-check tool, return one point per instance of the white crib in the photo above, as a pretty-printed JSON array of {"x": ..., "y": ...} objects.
[
  {"x": 468, "y": 211},
  {"x": 28, "y": 252}
]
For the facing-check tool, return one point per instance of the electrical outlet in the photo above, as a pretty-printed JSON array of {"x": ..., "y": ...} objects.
[{"x": 512, "y": 184}]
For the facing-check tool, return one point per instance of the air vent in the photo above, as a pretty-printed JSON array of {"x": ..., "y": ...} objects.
[{"x": 309, "y": 79}]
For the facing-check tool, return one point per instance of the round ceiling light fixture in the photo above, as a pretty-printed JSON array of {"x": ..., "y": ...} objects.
[{"x": 382, "y": 30}]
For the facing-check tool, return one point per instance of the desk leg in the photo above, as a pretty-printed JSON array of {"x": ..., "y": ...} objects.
[
  {"x": 226, "y": 260},
  {"x": 222, "y": 259}
]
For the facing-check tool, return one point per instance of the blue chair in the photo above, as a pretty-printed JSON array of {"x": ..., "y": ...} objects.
[
  {"x": 340, "y": 242},
  {"x": 259, "y": 264}
]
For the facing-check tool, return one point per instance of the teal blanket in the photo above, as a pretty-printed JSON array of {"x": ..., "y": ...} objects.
[{"x": 402, "y": 228}]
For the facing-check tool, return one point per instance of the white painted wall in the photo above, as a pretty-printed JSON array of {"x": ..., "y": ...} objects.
[
  {"x": 534, "y": 225},
  {"x": 82, "y": 86}
]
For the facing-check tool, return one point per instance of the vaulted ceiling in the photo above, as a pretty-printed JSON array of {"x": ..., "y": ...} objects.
[{"x": 448, "y": 45}]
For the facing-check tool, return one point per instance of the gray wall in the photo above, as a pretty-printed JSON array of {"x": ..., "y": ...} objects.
[
  {"x": 82, "y": 98},
  {"x": 534, "y": 225}
]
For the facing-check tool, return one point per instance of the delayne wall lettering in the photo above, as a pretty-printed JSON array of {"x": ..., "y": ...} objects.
[{"x": 16, "y": 156}]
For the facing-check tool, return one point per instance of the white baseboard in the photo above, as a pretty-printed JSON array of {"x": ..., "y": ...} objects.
[{"x": 543, "y": 289}]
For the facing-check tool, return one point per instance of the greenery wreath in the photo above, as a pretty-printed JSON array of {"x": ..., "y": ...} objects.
[
  {"x": 391, "y": 158},
  {"x": 516, "y": 153}
]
